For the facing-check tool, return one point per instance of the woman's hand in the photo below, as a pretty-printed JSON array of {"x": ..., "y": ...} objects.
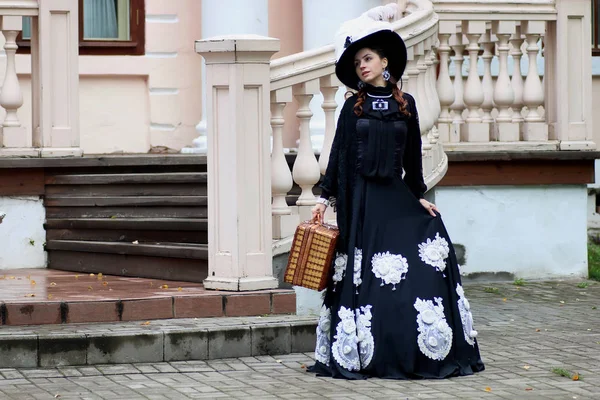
[
  {"x": 318, "y": 212},
  {"x": 429, "y": 207}
]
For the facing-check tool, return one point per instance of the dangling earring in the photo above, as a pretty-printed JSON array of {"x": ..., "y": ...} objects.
[
  {"x": 361, "y": 85},
  {"x": 386, "y": 74}
]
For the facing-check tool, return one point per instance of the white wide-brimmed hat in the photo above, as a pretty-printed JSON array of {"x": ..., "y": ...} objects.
[{"x": 370, "y": 30}]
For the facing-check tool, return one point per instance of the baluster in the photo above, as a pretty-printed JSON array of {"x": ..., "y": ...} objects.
[
  {"x": 329, "y": 87},
  {"x": 475, "y": 130},
  {"x": 534, "y": 127},
  {"x": 504, "y": 129},
  {"x": 445, "y": 89},
  {"x": 487, "y": 81},
  {"x": 458, "y": 105},
  {"x": 517, "y": 78},
  {"x": 284, "y": 222},
  {"x": 411, "y": 73},
  {"x": 281, "y": 176},
  {"x": 306, "y": 171},
  {"x": 433, "y": 99},
  {"x": 11, "y": 97},
  {"x": 425, "y": 117}
]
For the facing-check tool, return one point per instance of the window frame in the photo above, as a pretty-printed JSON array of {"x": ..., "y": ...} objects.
[
  {"x": 135, "y": 46},
  {"x": 595, "y": 21}
]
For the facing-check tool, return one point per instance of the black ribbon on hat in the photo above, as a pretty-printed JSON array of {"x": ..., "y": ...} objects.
[{"x": 348, "y": 42}]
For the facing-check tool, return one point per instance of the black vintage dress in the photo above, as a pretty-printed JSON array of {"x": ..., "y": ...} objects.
[{"x": 395, "y": 307}]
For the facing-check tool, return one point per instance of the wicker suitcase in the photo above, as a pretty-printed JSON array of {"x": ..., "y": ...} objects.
[{"x": 311, "y": 256}]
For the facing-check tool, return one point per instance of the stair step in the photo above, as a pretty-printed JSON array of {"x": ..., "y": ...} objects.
[
  {"x": 170, "y": 250},
  {"x": 141, "y": 178},
  {"x": 150, "y": 189},
  {"x": 127, "y": 212},
  {"x": 176, "y": 269},
  {"x": 167, "y": 224},
  {"x": 118, "y": 235},
  {"x": 108, "y": 201}
]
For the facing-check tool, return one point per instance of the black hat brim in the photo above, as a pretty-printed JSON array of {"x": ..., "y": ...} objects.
[{"x": 393, "y": 48}]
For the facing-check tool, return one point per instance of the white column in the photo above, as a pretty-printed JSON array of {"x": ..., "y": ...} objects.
[
  {"x": 475, "y": 130},
  {"x": 239, "y": 176},
  {"x": 321, "y": 20},
  {"x": 504, "y": 129},
  {"x": 11, "y": 97},
  {"x": 284, "y": 222},
  {"x": 534, "y": 127},
  {"x": 227, "y": 17},
  {"x": 58, "y": 68},
  {"x": 329, "y": 87},
  {"x": 306, "y": 170},
  {"x": 517, "y": 79},
  {"x": 458, "y": 106},
  {"x": 444, "y": 86},
  {"x": 487, "y": 81}
]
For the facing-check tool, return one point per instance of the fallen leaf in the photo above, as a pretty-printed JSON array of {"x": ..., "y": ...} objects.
[
  {"x": 50, "y": 297},
  {"x": 90, "y": 288},
  {"x": 278, "y": 361},
  {"x": 52, "y": 283},
  {"x": 594, "y": 307},
  {"x": 575, "y": 377},
  {"x": 562, "y": 302},
  {"x": 537, "y": 330},
  {"x": 151, "y": 284},
  {"x": 488, "y": 389},
  {"x": 526, "y": 367},
  {"x": 179, "y": 289},
  {"x": 57, "y": 396},
  {"x": 76, "y": 276},
  {"x": 504, "y": 299},
  {"x": 528, "y": 389},
  {"x": 104, "y": 283},
  {"x": 146, "y": 323},
  {"x": 30, "y": 295},
  {"x": 302, "y": 366},
  {"x": 589, "y": 329},
  {"x": 32, "y": 283},
  {"x": 100, "y": 276},
  {"x": 28, "y": 276},
  {"x": 92, "y": 275},
  {"x": 11, "y": 277},
  {"x": 164, "y": 287},
  {"x": 110, "y": 289},
  {"x": 135, "y": 242}
]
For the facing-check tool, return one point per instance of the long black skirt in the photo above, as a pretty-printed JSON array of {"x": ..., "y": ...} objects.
[{"x": 395, "y": 307}]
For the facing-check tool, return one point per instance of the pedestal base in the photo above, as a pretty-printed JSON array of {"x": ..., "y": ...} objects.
[
  {"x": 577, "y": 145},
  {"x": 240, "y": 284},
  {"x": 285, "y": 225},
  {"x": 15, "y": 136},
  {"x": 534, "y": 131},
  {"x": 444, "y": 129},
  {"x": 476, "y": 132},
  {"x": 61, "y": 152},
  {"x": 506, "y": 132},
  {"x": 19, "y": 152}
]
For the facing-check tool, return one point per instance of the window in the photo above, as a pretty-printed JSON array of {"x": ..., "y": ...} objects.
[
  {"x": 595, "y": 28},
  {"x": 106, "y": 27}
]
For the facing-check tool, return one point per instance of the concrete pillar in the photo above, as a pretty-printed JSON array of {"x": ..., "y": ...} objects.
[
  {"x": 227, "y": 17},
  {"x": 239, "y": 175},
  {"x": 568, "y": 78}
]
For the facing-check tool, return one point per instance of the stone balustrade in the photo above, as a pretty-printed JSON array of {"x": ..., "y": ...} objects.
[
  {"x": 54, "y": 79},
  {"x": 493, "y": 110},
  {"x": 304, "y": 75}
]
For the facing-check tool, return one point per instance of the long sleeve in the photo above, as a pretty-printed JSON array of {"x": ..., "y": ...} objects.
[
  {"x": 412, "y": 160},
  {"x": 329, "y": 186}
]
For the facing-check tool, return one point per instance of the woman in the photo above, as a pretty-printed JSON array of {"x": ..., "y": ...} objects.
[{"x": 395, "y": 307}]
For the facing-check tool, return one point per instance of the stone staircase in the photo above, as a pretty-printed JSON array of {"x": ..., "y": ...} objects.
[{"x": 142, "y": 220}]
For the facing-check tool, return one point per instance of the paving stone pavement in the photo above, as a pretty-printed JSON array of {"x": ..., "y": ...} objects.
[{"x": 524, "y": 332}]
